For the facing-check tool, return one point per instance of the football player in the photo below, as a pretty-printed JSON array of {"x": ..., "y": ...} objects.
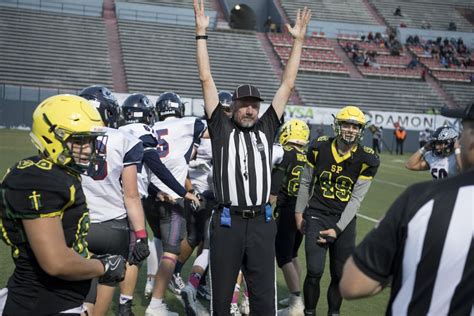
[
  {"x": 114, "y": 202},
  {"x": 177, "y": 136},
  {"x": 44, "y": 216},
  {"x": 335, "y": 179},
  {"x": 139, "y": 113},
  {"x": 441, "y": 155},
  {"x": 294, "y": 136}
]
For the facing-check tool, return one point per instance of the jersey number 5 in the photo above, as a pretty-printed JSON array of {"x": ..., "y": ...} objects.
[{"x": 163, "y": 147}]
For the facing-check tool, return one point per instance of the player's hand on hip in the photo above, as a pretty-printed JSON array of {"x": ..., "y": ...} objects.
[
  {"x": 202, "y": 21},
  {"x": 327, "y": 236},
  {"x": 298, "y": 31},
  {"x": 114, "y": 268}
]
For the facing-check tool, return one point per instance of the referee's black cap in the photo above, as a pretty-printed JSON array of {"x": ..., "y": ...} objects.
[
  {"x": 246, "y": 91},
  {"x": 466, "y": 113}
]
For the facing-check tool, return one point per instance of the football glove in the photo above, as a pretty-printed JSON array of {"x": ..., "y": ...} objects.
[
  {"x": 140, "y": 251},
  {"x": 194, "y": 205},
  {"x": 114, "y": 268}
]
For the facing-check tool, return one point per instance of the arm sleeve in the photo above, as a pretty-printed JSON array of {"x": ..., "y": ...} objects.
[
  {"x": 199, "y": 129},
  {"x": 304, "y": 190},
  {"x": 134, "y": 155},
  {"x": 360, "y": 190},
  {"x": 152, "y": 159}
]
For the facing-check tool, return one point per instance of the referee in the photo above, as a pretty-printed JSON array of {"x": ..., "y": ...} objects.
[
  {"x": 242, "y": 228},
  {"x": 425, "y": 242}
]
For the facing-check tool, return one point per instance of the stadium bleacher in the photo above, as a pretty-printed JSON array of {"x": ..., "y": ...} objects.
[
  {"x": 462, "y": 93},
  {"x": 318, "y": 54},
  {"x": 370, "y": 94},
  {"x": 45, "y": 49},
  {"x": 169, "y": 3},
  {"x": 347, "y": 11},
  {"x": 415, "y": 13},
  {"x": 160, "y": 57},
  {"x": 48, "y": 49}
]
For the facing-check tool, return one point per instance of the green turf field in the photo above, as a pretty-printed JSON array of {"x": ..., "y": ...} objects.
[{"x": 390, "y": 181}]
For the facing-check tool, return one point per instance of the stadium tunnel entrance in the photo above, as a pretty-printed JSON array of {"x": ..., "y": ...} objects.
[{"x": 242, "y": 17}]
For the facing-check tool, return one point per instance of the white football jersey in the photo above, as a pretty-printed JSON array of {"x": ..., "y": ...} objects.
[
  {"x": 440, "y": 166},
  {"x": 278, "y": 153},
  {"x": 200, "y": 169},
  {"x": 176, "y": 139},
  {"x": 104, "y": 194},
  {"x": 140, "y": 131}
]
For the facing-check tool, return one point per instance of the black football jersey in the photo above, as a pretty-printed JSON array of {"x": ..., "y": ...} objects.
[
  {"x": 335, "y": 175},
  {"x": 37, "y": 188},
  {"x": 286, "y": 175}
]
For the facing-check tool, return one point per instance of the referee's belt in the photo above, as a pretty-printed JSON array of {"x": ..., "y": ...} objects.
[{"x": 247, "y": 211}]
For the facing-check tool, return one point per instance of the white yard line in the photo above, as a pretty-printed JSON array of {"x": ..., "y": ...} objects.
[
  {"x": 373, "y": 220},
  {"x": 391, "y": 183}
]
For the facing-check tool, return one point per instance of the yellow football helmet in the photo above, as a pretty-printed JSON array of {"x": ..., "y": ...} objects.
[
  {"x": 294, "y": 131},
  {"x": 352, "y": 115},
  {"x": 66, "y": 117}
]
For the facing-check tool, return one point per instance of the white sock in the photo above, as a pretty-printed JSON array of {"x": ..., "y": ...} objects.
[
  {"x": 155, "y": 302},
  {"x": 125, "y": 298}
]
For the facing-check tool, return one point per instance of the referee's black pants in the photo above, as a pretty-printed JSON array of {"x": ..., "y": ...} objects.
[{"x": 248, "y": 244}]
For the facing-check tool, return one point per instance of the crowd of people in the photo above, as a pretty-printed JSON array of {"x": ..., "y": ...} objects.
[
  {"x": 75, "y": 214},
  {"x": 449, "y": 53},
  {"x": 368, "y": 57}
]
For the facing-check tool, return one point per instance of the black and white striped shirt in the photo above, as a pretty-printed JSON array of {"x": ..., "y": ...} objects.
[
  {"x": 242, "y": 158},
  {"x": 426, "y": 243}
]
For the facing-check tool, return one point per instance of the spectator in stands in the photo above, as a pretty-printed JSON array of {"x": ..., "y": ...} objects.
[
  {"x": 378, "y": 37},
  {"x": 452, "y": 26},
  {"x": 416, "y": 40},
  {"x": 410, "y": 40},
  {"x": 423, "y": 74},
  {"x": 413, "y": 63},
  {"x": 362, "y": 38},
  {"x": 269, "y": 25},
  {"x": 471, "y": 77},
  {"x": 370, "y": 37},
  {"x": 400, "y": 137},
  {"x": 425, "y": 25},
  {"x": 348, "y": 47},
  {"x": 398, "y": 11}
]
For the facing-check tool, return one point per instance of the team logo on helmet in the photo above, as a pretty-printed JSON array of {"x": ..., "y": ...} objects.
[{"x": 442, "y": 141}]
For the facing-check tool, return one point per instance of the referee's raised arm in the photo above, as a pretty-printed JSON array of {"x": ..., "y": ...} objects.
[
  {"x": 291, "y": 70},
  {"x": 209, "y": 90}
]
